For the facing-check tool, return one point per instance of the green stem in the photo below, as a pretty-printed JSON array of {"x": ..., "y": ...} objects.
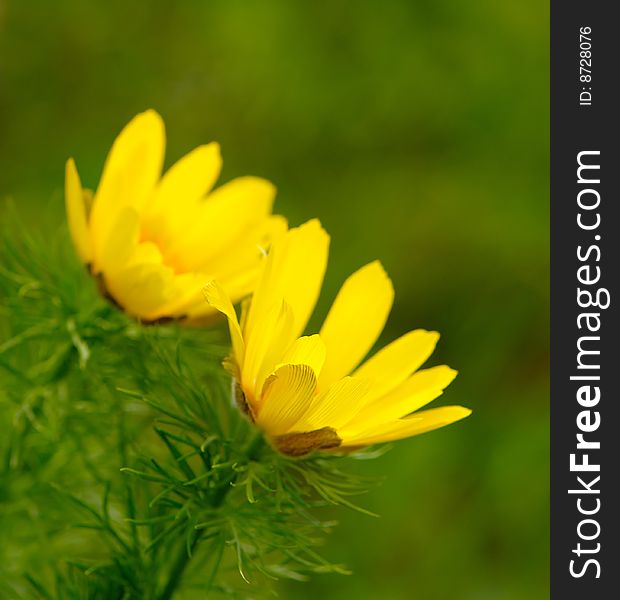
[
  {"x": 180, "y": 564},
  {"x": 179, "y": 567},
  {"x": 255, "y": 442}
]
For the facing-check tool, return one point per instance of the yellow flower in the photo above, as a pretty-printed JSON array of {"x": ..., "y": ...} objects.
[
  {"x": 153, "y": 240},
  {"x": 309, "y": 393}
]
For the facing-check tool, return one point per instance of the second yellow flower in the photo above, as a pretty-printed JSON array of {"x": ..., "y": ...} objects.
[{"x": 154, "y": 240}]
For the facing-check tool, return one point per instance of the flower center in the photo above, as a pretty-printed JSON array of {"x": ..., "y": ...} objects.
[{"x": 168, "y": 258}]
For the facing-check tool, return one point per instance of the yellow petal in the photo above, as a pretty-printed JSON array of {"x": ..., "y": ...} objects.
[
  {"x": 141, "y": 289},
  {"x": 187, "y": 181},
  {"x": 336, "y": 406},
  {"x": 173, "y": 209},
  {"x": 186, "y": 290},
  {"x": 135, "y": 275},
  {"x": 307, "y": 350},
  {"x": 122, "y": 243},
  {"x": 417, "y": 391},
  {"x": 265, "y": 349},
  {"x": 286, "y": 397},
  {"x": 200, "y": 310},
  {"x": 355, "y": 321},
  {"x": 249, "y": 250},
  {"x": 228, "y": 220},
  {"x": 146, "y": 252},
  {"x": 218, "y": 298},
  {"x": 293, "y": 272},
  {"x": 76, "y": 213},
  {"x": 395, "y": 362},
  {"x": 416, "y": 424},
  {"x": 129, "y": 176},
  {"x": 239, "y": 269},
  {"x": 245, "y": 308},
  {"x": 182, "y": 290}
]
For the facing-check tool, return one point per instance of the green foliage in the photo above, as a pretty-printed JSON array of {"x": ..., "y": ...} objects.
[{"x": 126, "y": 470}]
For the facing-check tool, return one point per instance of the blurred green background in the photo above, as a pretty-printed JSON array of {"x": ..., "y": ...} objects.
[{"x": 416, "y": 130}]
